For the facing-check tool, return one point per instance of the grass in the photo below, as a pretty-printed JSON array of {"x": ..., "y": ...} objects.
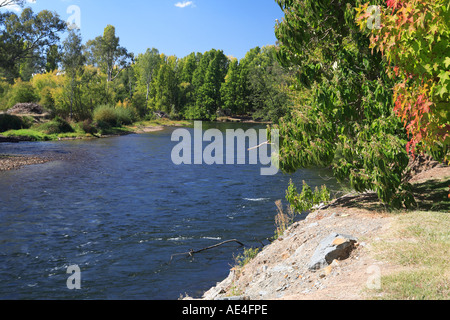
[
  {"x": 419, "y": 242},
  {"x": 248, "y": 255},
  {"x": 160, "y": 122},
  {"x": 48, "y": 131}
]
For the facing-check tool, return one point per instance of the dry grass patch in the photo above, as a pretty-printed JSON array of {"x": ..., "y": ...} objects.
[{"x": 420, "y": 243}]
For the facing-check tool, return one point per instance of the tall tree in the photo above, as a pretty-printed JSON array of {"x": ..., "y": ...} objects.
[
  {"x": 343, "y": 115},
  {"x": 148, "y": 65},
  {"x": 268, "y": 86},
  {"x": 53, "y": 58},
  {"x": 73, "y": 62},
  {"x": 106, "y": 53},
  {"x": 231, "y": 90},
  {"x": 166, "y": 85},
  {"x": 208, "y": 79},
  {"x": 25, "y": 36}
]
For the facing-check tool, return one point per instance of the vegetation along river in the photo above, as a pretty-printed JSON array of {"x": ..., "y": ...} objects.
[{"x": 119, "y": 209}]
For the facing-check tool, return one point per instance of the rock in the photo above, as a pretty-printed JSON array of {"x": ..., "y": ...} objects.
[{"x": 334, "y": 247}]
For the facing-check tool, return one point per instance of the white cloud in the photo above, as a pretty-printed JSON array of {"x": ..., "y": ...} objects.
[{"x": 184, "y": 4}]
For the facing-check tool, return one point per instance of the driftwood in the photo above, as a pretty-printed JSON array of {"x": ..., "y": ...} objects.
[{"x": 192, "y": 252}]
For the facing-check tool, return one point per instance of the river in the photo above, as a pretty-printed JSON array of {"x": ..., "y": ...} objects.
[{"x": 118, "y": 208}]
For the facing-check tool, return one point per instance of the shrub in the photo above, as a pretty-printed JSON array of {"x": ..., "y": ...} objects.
[
  {"x": 112, "y": 116},
  {"x": 308, "y": 198},
  {"x": 247, "y": 256},
  {"x": 283, "y": 220},
  {"x": 56, "y": 126},
  {"x": 22, "y": 92},
  {"x": 10, "y": 122},
  {"x": 88, "y": 127},
  {"x": 47, "y": 100},
  {"x": 124, "y": 116},
  {"x": 105, "y": 114}
]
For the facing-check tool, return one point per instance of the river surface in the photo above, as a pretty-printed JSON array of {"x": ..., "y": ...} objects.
[{"x": 118, "y": 208}]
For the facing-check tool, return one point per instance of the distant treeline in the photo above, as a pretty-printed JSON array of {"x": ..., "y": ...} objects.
[{"x": 72, "y": 78}]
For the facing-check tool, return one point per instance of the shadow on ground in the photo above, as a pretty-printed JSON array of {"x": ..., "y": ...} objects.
[{"x": 431, "y": 195}]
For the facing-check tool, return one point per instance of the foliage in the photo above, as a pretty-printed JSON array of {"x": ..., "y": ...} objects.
[
  {"x": 247, "y": 256},
  {"x": 26, "y": 36},
  {"x": 414, "y": 38},
  {"x": 21, "y": 92},
  {"x": 88, "y": 127},
  {"x": 342, "y": 115},
  {"x": 72, "y": 79},
  {"x": 4, "y": 89},
  {"x": 308, "y": 198},
  {"x": 106, "y": 53},
  {"x": 10, "y": 122},
  {"x": 114, "y": 117},
  {"x": 57, "y": 125},
  {"x": 283, "y": 220}
]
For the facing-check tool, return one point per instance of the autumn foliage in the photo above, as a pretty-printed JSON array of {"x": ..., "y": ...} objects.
[{"x": 413, "y": 37}]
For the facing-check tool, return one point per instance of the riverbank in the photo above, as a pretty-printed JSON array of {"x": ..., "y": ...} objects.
[
  {"x": 13, "y": 162},
  {"x": 397, "y": 255}
]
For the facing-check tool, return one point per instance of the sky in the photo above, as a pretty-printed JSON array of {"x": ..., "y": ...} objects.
[{"x": 174, "y": 27}]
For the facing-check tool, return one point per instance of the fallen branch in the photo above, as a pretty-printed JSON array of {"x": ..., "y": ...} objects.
[
  {"x": 192, "y": 252},
  {"x": 259, "y": 146}
]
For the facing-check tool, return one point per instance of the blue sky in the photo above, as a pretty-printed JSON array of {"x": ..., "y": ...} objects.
[{"x": 176, "y": 27}]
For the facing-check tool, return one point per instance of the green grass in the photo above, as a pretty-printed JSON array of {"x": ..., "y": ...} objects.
[
  {"x": 419, "y": 242},
  {"x": 36, "y": 135},
  {"x": 247, "y": 256},
  {"x": 417, "y": 285}
]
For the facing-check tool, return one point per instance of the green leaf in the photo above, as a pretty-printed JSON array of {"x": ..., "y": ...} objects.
[{"x": 447, "y": 62}]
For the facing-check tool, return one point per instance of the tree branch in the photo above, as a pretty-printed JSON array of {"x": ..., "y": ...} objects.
[{"x": 192, "y": 252}]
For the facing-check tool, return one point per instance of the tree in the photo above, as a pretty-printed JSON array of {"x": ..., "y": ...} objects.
[
  {"x": 268, "y": 86},
  {"x": 343, "y": 115},
  {"x": 73, "y": 62},
  {"x": 147, "y": 65},
  {"x": 53, "y": 58},
  {"x": 207, "y": 81},
  {"x": 106, "y": 53},
  {"x": 26, "y": 36},
  {"x": 231, "y": 93},
  {"x": 166, "y": 86},
  {"x": 187, "y": 67},
  {"x": 414, "y": 38},
  {"x": 8, "y": 3}
]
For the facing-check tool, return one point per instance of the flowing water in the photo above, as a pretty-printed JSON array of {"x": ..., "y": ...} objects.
[{"x": 119, "y": 209}]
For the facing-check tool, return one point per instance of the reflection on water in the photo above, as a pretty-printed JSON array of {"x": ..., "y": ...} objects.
[{"x": 119, "y": 209}]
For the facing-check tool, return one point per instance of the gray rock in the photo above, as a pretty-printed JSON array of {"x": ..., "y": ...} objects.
[{"x": 334, "y": 247}]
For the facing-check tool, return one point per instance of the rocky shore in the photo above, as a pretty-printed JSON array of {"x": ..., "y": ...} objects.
[
  {"x": 327, "y": 256},
  {"x": 14, "y": 162},
  {"x": 285, "y": 269}
]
